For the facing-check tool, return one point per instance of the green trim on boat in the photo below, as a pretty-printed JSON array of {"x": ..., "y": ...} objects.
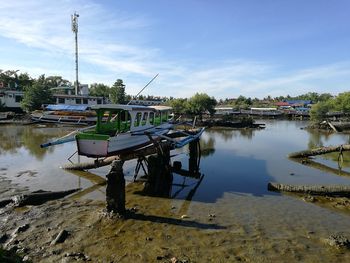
[{"x": 92, "y": 136}]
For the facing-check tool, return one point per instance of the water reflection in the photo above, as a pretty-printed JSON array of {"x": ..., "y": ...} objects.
[
  {"x": 228, "y": 134},
  {"x": 318, "y": 138},
  {"x": 233, "y": 161},
  {"x": 322, "y": 139},
  {"x": 13, "y": 138},
  {"x": 321, "y": 167},
  {"x": 207, "y": 146}
]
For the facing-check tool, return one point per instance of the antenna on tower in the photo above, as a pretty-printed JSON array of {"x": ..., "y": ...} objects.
[{"x": 75, "y": 31}]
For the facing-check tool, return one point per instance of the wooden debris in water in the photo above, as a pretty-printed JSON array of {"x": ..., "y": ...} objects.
[
  {"x": 332, "y": 190},
  {"x": 319, "y": 151}
]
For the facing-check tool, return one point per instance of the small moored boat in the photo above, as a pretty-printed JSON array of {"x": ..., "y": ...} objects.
[
  {"x": 65, "y": 114},
  {"x": 123, "y": 128}
]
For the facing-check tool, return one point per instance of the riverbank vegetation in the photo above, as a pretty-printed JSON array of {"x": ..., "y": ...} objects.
[
  {"x": 39, "y": 91},
  {"x": 322, "y": 109}
]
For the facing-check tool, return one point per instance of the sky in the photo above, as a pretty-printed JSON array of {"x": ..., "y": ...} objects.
[{"x": 224, "y": 48}]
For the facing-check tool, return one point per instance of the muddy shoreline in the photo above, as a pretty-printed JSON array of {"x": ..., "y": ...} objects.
[
  {"x": 230, "y": 218},
  {"x": 155, "y": 230}
]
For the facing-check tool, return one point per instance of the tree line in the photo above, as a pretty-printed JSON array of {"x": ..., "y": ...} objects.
[
  {"x": 339, "y": 103},
  {"x": 39, "y": 91}
]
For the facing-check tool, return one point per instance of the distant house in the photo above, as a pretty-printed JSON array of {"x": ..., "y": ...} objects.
[
  {"x": 11, "y": 99},
  {"x": 262, "y": 111},
  {"x": 282, "y": 104},
  {"x": 77, "y": 99},
  {"x": 288, "y": 104},
  {"x": 225, "y": 110},
  {"x": 300, "y": 103}
]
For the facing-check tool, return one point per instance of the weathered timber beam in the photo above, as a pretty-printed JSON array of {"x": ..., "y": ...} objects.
[
  {"x": 319, "y": 151},
  {"x": 107, "y": 161},
  {"x": 331, "y": 190},
  {"x": 90, "y": 165}
]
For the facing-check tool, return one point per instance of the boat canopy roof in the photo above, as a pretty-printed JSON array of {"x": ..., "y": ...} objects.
[
  {"x": 129, "y": 107},
  {"x": 161, "y": 108},
  {"x": 63, "y": 107},
  {"x": 121, "y": 107}
]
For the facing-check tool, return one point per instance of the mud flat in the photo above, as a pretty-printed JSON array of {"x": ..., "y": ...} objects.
[{"x": 235, "y": 228}]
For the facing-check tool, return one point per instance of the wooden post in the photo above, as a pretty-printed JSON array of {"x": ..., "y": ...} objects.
[
  {"x": 115, "y": 191},
  {"x": 193, "y": 160},
  {"x": 160, "y": 177}
]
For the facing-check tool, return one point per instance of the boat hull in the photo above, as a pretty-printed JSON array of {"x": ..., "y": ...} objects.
[
  {"x": 121, "y": 143},
  {"x": 64, "y": 119}
]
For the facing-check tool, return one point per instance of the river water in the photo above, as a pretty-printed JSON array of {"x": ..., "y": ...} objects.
[{"x": 236, "y": 166}]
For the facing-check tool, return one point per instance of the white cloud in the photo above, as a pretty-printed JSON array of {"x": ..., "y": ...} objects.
[{"x": 112, "y": 44}]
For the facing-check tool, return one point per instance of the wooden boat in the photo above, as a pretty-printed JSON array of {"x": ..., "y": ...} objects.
[
  {"x": 123, "y": 128},
  {"x": 65, "y": 114}
]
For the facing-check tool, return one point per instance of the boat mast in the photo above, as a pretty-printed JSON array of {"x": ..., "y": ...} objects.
[{"x": 75, "y": 31}]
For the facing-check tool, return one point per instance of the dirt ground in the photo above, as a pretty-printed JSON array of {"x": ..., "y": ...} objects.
[{"x": 155, "y": 230}]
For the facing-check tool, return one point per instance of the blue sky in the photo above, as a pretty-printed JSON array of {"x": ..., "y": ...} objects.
[{"x": 224, "y": 48}]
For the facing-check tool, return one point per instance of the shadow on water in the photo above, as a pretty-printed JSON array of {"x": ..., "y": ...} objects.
[
  {"x": 220, "y": 171},
  {"x": 224, "y": 170}
]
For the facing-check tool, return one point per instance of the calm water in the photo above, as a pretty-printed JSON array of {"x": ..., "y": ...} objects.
[
  {"x": 233, "y": 161},
  {"x": 237, "y": 165}
]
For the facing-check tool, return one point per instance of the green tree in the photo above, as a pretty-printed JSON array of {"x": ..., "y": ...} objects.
[
  {"x": 243, "y": 102},
  {"x": 23, "y": 81},
  {"x": 328, "y": 104},
  {"x": 341, "y": 102},
  {"x": 37, "y": 95},
  {"x": 200, "y": 103},
  {"x": 319, "y": 110},
  {"x": 117, "y": 92},
  {"x": 324, "y": 97},
  {"x": 179, "y": 106},
  {"x": 99, "y": 90},
  {"x": 8, "y": 78},
  {"x": 56, "y": 81}
]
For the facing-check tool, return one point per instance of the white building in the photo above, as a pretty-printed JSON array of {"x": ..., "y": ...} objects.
[
  {"x": 77, "y": 99},
  {"x": 11, "y": 99}
]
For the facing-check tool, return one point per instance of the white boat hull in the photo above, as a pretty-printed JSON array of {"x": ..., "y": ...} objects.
[
  {"x": 123, "y": 142},
  {"x": 66, "y": 119}
]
